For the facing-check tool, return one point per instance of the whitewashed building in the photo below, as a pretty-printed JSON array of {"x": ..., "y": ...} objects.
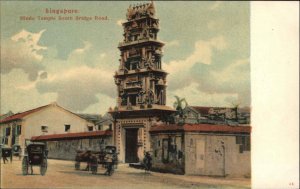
[{"x": 44, "y": 120}]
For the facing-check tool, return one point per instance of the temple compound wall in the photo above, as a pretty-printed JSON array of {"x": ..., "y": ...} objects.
[
  {"x": 65, "y": 146},
  {"x": 199, "y": 149},
  {"x": 67, "y": 149}
]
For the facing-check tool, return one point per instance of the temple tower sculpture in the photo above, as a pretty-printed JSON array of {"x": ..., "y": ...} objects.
[{"x": 141, "y": 84}]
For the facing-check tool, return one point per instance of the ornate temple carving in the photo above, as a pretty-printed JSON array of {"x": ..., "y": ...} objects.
[
  {"x": 141, "y": 55},
  {"x": 141, "y": 83}
]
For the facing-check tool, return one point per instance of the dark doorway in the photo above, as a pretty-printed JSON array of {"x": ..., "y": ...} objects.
[
  {"x": 131, "y": 146},
  {"x": 132, "y": 100},
  {"x": 13, "y": 138}
]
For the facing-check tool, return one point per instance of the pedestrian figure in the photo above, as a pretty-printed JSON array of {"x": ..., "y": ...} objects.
[{"x": 147, "y": 162}]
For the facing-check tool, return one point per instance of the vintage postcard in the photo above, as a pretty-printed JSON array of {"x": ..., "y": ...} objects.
[{"x": 126, "y": 94}]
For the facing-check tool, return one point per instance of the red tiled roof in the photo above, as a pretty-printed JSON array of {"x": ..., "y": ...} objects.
[
  {"x": 201, "y": 128},
  {"x": 71, "y": 135},
  {"x": 21, "y": 115}
]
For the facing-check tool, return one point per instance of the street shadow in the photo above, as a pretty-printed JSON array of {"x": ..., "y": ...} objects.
[
  {"x": 141, "y": 174},
  {"x": 83, "y": 173},
  {"x": 34, "y": 174}
]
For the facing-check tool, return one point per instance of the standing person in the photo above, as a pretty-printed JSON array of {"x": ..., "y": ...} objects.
[{"x": 147, "y": 161}]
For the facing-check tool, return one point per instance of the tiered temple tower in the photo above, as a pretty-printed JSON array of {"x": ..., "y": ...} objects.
[{"x": 141, "y": 83}]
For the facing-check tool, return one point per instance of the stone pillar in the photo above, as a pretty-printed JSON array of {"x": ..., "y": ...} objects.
[{"x": 140, "y": 151}]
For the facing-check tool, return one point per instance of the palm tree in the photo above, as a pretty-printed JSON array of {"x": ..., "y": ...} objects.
[{"x": 178, "y": 105}]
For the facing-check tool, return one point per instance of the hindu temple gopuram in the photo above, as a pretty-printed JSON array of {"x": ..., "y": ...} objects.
[{"x": 141, "y": 83}]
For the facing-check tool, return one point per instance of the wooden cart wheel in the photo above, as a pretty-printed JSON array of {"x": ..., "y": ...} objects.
[
  {"x": 43, "y": 167},
  {"x": 77, "y": 165},
  {"x": 25, "y": 166}
]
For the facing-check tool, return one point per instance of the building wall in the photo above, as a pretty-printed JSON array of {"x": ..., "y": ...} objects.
[
  {"x": 8, "y": 138},
  {"x": 55, "y": 118},
  {"x": 52, "y": 116},
  {"x": 66, "y": 149},
  {"x": 167, "y": 152},
  {"x": 215, "y": 155}
]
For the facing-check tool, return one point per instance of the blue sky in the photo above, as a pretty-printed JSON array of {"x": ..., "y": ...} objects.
[{"x": 207, "y": 54}]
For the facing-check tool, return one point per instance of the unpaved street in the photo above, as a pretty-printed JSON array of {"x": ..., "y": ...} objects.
[{"x": 61, "y": 174}]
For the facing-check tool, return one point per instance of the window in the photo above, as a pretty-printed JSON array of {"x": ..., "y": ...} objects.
[
  {"x": 239, "y": 140},
  {"x": 18, "y": 130},
  {"x": 124, "y": 100},
  {"x": 90, "y": 128},
  {"x": 44, "y": 128},
  {"x": 132, "y": 99},
  {"x": 7, "y": 131},
  {"x": 247, "y": 145},
  {"x": 67, "y": 128},
  {"x": 133, "y": 66},
  {"x": 244, "y": 142}
]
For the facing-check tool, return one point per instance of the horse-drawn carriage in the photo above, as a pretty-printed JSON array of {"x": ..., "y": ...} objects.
[
  {"x": 5, "y": 152},
  {"x": 35, "y": 155},
  {"x": 108, "y": 158}
]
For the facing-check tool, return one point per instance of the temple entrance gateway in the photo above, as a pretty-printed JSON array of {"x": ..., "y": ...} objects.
[{"x": 131, "y": 148}]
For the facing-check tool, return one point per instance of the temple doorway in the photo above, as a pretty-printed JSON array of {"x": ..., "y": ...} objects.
[{"x": 131, "y": 148}]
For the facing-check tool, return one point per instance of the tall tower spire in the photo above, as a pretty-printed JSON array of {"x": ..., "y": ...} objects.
[
  {"x": 141, "y": 83},
  {"x": 140, "y": 78}
]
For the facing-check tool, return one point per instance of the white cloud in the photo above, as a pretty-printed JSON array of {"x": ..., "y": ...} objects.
[
  {"x": 77, "y": 87},
  {"x": 196, "y": 97},
  {"x": 195, "y": 77},
  {"x": 78, "y": 54},
  {"x": 203, "y": 52},
  {"x": 77, "y": 83},
  {"x": 234, "y": 78},
  {"x": 120, "y": 22},
  {"x": 103, "y": 55},
  {"x": 174, "y": 43},
  {"x": 27, "y": 86},
  {"x": 103, "y": 105},
  {"x": 230, "y": 73},
  {"x": 19, "y": 94},
  {"x": 22, "y": 51},
  {"x": 87, "y": 46},
  {"x": 30, "y": 40}
]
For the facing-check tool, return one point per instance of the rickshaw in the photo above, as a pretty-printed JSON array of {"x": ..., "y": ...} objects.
[
  {"x": 108, "y": 158},
  {"x": 5, "y": 152},
  {"x": 109, "y": 161},
  {"x": 35, "y": 155}
]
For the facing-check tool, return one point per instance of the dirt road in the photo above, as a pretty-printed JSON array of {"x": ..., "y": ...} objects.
[{"x": 61, "y": 174}]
